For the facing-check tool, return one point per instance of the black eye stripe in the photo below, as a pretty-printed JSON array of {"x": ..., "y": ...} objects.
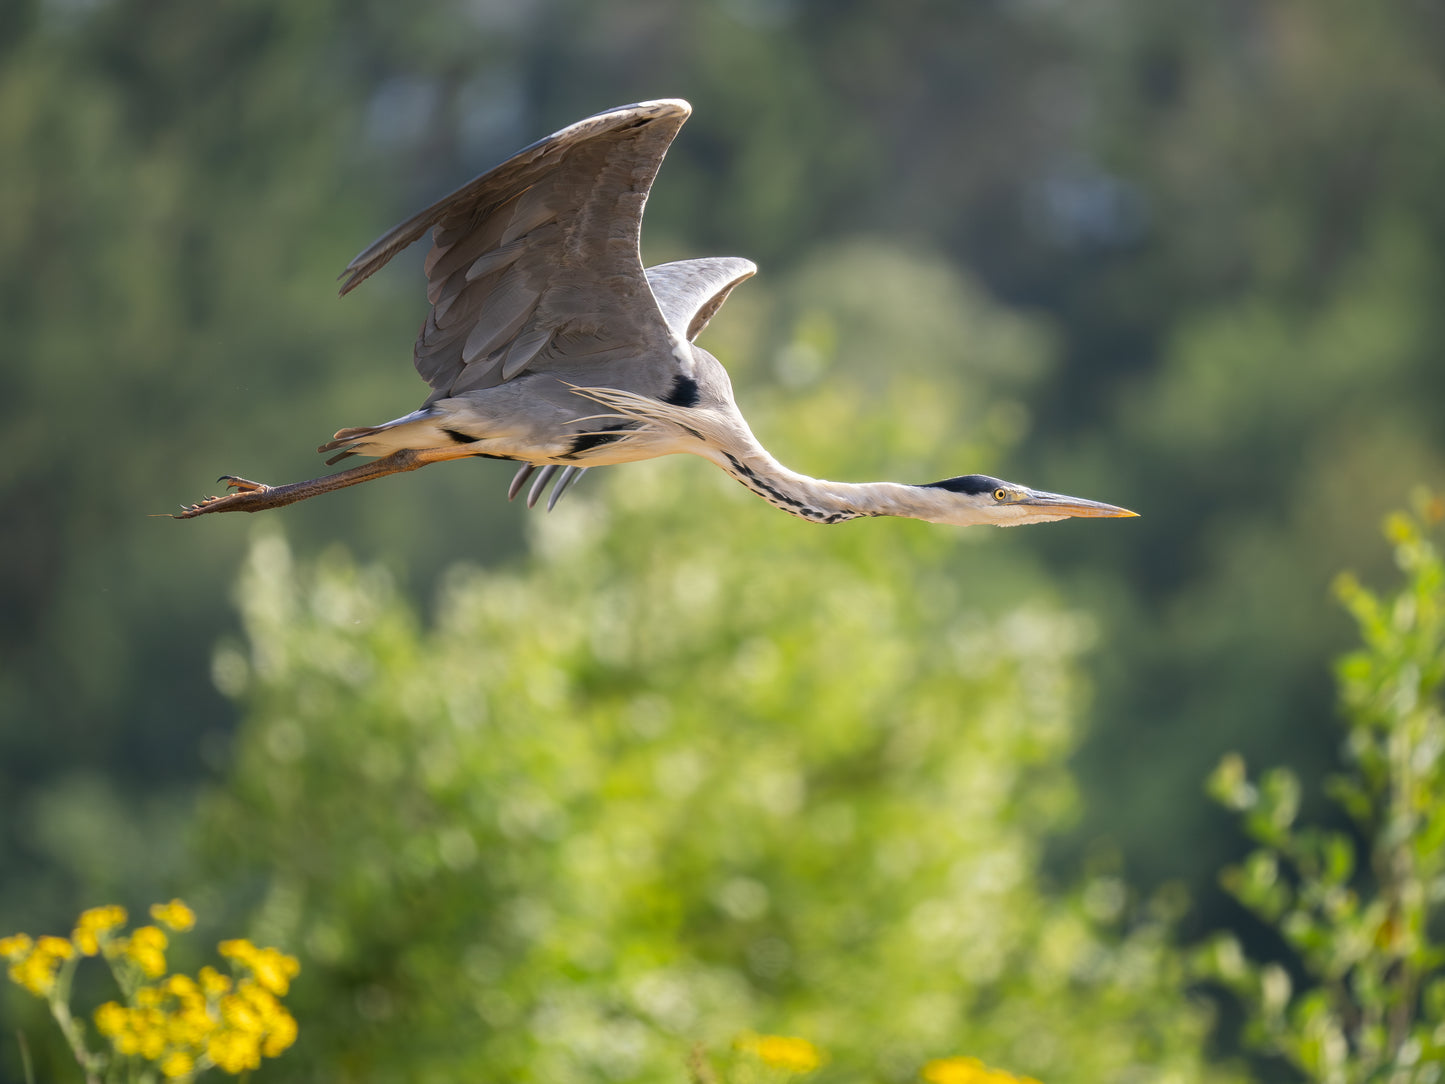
[{"x": 969, "y": 483}]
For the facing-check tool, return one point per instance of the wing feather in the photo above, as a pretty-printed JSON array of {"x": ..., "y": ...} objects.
[
  {"x": 488, "y": 262},
  {"x": 508, "y": 305},
  {"x": 524, "y": 348},
  {"x": 540, "y": 254},
  {"x": 444, "y": 259},
  {"x": 689, "y": 292}
]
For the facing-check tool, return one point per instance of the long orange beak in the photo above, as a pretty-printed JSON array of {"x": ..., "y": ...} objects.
[{"x": 1061, "y": 505}]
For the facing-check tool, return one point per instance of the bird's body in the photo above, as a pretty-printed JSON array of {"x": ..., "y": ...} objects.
[{"x": 549, "y": 344}]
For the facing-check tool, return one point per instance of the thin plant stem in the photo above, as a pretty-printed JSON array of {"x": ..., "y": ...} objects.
[
  {"x": 60, "y": 1009},
  {"x": 26, "y": 1066}
]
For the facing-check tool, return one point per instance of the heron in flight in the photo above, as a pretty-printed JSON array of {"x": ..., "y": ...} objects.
[{"x": 549, "y": 343}]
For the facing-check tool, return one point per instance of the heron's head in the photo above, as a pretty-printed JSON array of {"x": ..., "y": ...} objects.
[{"x": 977, "y": 498}]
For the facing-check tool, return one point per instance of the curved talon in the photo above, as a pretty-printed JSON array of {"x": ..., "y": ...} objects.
[{"x": 242, "y": 485}]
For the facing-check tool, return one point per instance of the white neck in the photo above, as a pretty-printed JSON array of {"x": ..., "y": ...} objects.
[
  {"x": 721, "y": 435},
  {"x": 820, "y": 501}
]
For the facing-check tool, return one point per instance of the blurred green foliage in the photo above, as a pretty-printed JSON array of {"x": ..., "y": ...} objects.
[
  {"x": 1359, "y": 908},
  {"x": 1182, "y": 257},
  {"x": 631, "y": 798}
]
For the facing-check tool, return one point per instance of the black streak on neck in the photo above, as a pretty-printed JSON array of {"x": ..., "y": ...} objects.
[{"x": 774, "y": 496}]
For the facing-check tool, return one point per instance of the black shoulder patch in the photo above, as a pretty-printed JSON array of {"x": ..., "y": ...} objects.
[
  {"x": 683, "y": 392},
  {"x": 460, "y": 437},
  {"x": 972, "y": 484}
]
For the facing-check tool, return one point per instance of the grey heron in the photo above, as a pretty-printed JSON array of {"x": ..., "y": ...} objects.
[{"x": 549, "y": 343}]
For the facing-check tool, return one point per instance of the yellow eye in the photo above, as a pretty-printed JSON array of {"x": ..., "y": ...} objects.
[{"x": 1000, "y": 494}]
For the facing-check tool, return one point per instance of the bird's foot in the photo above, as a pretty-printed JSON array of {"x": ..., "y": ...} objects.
[{"x": 245, "y": 496}]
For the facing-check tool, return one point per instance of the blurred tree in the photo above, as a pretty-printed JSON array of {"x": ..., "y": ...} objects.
[
  {"x": 178, "y": 191},
  {"x": 179, "y": 188},
  {"x": 685, "y": 774},
  {"x": 1263, "y": 355},
  {"x": 1359, "y": 910}
]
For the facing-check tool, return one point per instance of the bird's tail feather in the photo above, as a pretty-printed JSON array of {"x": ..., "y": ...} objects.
[{"x": 351, "y": 439}]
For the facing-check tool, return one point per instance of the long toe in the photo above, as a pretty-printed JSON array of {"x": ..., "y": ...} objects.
[
  {"x": 244, "y": 496},
  {"x": 242, "y": 485},
  {"x": 190, "y": 511}
]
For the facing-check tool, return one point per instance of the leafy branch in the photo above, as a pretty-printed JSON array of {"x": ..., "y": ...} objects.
[{"x": 1361, "y": 909}]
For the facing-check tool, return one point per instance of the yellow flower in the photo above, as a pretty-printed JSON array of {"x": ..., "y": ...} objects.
[
  {"x": 146, "y": 947},
  {"x": 281, "y": 1035},
  {"x": 58, "y": 947},
  {"x": 190, "y": 1027},
  {"x": 234, "y": 1051},
  {"x": 183, "y": 988},
  {"x": 954, "y": 1071},
  {"x": 150, "y": 937},
  {"x": 14, "y": 946},
  {"x": 258, "y": 997},
  {"x": 111, "y": 1019},
  {"x": 968, "y": 1071},
  {"x": 94, "y": 924},
  {"x": 274, "y": 970},
  {"x": 178, "y": 1064},
  {"x": 149, "y": 997},
  {"x": 213, "y": 982},
  {"x": 242, "y": 1015},
  {"x": 127, "y": 1043},
  {"x": 238, "y": 949},
  {"x": 175, "y": 914},
  {"x": 36, "y": 973},
  {"x": 153, "y": 1038},
  {"x": 36, "y": 969},
  {"x": 782, "y": 1052}
]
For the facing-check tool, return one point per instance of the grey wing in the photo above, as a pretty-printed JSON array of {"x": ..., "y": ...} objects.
[
  {"x": 535, "y": 263},
  {"x": 689, "y": 292}
]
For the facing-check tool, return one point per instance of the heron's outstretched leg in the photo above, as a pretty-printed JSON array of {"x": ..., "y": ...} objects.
[{"x": 253, "y": 496}]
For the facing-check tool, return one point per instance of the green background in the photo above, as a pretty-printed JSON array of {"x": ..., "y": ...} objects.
[{"x": 1186, "y": 258}]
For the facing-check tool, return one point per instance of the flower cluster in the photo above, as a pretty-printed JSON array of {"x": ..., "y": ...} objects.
[
  {"x": 33, "y": 964},
  {"x": 184, "y": 1024},
  {"x": 175, "y": 914},
  {"x": 969, "y": 1071},
  {"x": 273, "y": 969},
  {"x": 784, "y": 1052},
  {"x": 799, "y": 1056},
  {"x": 180, "y": 1024},
  {"x": 145, "y": 949},
  {"x": 95, "y": 926}
]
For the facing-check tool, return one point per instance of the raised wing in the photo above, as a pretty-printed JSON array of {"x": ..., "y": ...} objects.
[
  {"x": 689, "y": 292},
  {"x": 537, "y": 260}
]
